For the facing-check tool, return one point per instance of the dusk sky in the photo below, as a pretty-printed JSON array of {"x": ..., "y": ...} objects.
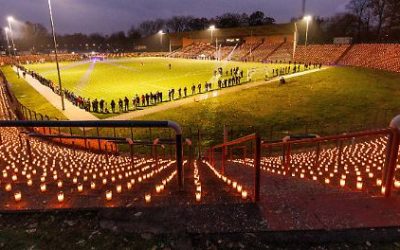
[{"x": 107, "y": 16}]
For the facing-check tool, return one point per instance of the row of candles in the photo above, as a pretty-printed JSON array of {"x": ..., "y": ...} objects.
[{"x": 229, "y": 182}]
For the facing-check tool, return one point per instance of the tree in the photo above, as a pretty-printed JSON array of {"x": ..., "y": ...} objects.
[
  {"x": 379, "y": 8},
  {"x": 256, "y": 18},
  {"x": 178, "y": 23},
  {"x": 198, "y": 24},
  {"x": 228, "y": 20},
  {"x": 360, "y": 9}
]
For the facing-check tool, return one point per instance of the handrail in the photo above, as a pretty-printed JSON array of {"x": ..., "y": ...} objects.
[{"x": 329, "y": 138}]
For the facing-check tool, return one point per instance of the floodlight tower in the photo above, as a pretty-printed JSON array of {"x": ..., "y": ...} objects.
[
  {"x": 10, "y": 19},
  {"x": 307, "y": 19},
  {"x": 212, "y": 29},
  {"x": 6, "y": 30},
  {"x": 56, "y": 55},
  {"x": 161, "y": 33}
]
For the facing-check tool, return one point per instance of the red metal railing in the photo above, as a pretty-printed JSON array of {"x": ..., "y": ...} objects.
[{"x": 362, "y": 160}]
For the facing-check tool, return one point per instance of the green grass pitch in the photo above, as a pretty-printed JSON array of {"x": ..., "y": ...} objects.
[{"x": 113, "y": 79}]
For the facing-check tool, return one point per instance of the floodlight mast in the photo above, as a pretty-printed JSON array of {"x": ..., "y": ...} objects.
[
  {"x": 307, "y": 19},
  {"x": 161, "y": 33},
  {"x": 6, "y": 30},
  {"x": 56, "y": 55}
]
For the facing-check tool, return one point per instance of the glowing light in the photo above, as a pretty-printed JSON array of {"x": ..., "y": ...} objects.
[
  {"x": 17, "y": 196},
  {"x": 198, "y": 196},
  {"x": 147, "y": 198},
  {"x": 108, "y": 195},
  {"x": 244, "y": 194},
  {"x": 60, "y": 196}
]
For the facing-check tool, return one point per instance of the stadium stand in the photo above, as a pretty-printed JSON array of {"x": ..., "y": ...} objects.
[
  {"x": 376, "y": 56},
  {"x": 263, "y": 51},
  {"x": 327, "y": 54},
  {"x": 245, "y": 49},
  {"x": 283, "y": 54}
]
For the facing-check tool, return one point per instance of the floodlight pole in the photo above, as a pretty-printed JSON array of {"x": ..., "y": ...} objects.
[
  {"x": 307, "y": 26},
  {"x": 8, "y": 40},
  {"x": 12, "y": 37},
  {"x": 56, "y": 55}
]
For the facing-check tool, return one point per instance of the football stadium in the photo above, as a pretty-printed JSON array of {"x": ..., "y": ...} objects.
[{"x": 234, "y": 131}]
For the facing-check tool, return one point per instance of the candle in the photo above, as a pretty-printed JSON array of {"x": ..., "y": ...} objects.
[
  {"x": 198, "y": 196},
  {"x": 59, "y": 184},
  {"x": 129, "y": 186},
  {"x": 92, "y": 185},
  {"x": 244, "y": 194},
  {"x": 239, "y": 188},
  {"x": 17, "y": 196},
  {"x": 80, "y": 188},
  {"x": 378, "y": 182},
  {"x": 8, "y": 187},
  {"x": 108, "y": 195},
  {"x": 342, "y": 182},
  {"x": 29, "y": 182},
  {"x": 60, "y": 196},
  {"x": 359, "y": 185},
  {"x": 397, "y": 184},
  {"x": 234, "y": 184},
  {"x": 158, "y": 189},
  {"x": 43, "y": 187},
  {"x": 119, "y": 188},
  {"x": 147, "y": 198}
]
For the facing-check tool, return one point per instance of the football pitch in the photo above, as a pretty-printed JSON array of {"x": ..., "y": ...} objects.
[{"x": 117, "y": 78}]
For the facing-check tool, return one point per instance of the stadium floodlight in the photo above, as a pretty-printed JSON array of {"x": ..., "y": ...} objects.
[
  {"x": 11, "y": 19},
  {"x": 161, "y": 33},
  {"x": 211, "y": 29},
  {"x": 56, "y": 54},
  {"x": 7, "y": 30},
  {"x": 307, "y": 18}
]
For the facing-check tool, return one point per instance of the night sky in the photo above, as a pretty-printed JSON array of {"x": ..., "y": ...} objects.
[{"x": 107, "y": 16}]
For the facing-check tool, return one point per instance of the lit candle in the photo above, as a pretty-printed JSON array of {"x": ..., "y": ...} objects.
[
  {"x": 147, "y": 198},
  {"x": 359, "y": 185},
  {"x": 198, "y": 188},
  {"x": 342, "y": 182},
  {"x": 234, "y": 184},
  {"x": 80, "y": 188},
  {"x": 327, "y": 181},
  {"x": 119, "y": 188},
  {"x": 129, "y": 186},
  {"x": 8, "y": 187},
  {"x": 378, "y": 182},
  {"x": 108, "y": 195},
  {"x": 244, "y": 194},
  {"x": 92, "y": 185},
  {"x": 14, "y": 177},
  {"x": 158, "y": 189},
  {"x": 198, "y": 196},
  {"x": 239, "y": 188},
  {"x": 60, "y": 196},
  {"x": 59, "y": 184},
  {"x": 43, "y": 187},
  {"x": 29, "y": 182},
  {"x": 17, "y": 196},
  {"x": 397, "y": 184}
]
